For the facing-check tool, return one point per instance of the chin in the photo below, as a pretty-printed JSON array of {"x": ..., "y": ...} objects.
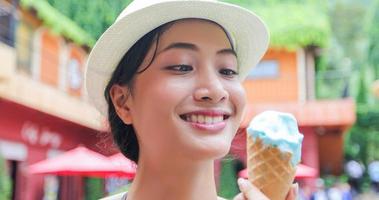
[
  {"x": 213, "y": 151},
  {"x": 221, "y": 154}
]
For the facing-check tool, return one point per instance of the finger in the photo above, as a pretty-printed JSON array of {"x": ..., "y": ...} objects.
[
  {"x": 293, "y": 192},
  {"x": 239, "y": 197},
  {"x": 250, "y": 191}
]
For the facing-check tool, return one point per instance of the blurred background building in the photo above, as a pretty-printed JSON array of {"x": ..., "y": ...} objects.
[{"x": 43, "y": 108}]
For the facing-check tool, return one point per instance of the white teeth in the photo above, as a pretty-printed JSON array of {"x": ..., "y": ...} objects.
[
  {"x": 193, "y": 118},
  {"x": 218, "y": 119},
  {"x": 208, "y": 120},
  {"x": 202, "y": 119}
]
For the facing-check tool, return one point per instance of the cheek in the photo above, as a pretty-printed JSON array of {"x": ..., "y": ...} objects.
[
  {"x": 154, "y": 113},
  {"x": 155, "y": 102},
  {"x": 164, "y": 95},
  {"x": 238, "y": 98}
]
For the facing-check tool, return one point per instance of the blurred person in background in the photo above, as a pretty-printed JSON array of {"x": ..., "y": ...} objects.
[
  {"x": 320, "y": 193},
  {"x": 305, "y": 191},
  {"x": 355, "y": 171},
  {"x": 373, "y": 172},
  {"x": 334, "y": 192},
  {"x": 346, "y": 191}
]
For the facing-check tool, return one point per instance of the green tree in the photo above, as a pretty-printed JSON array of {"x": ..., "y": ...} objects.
[
  {"x": 362, "y": 141},
  {"x": 5, "y": 181},
  {"x": 362, "y": 90},
  {"x": 346, "y": 57},
  {"x": 373, "y": 51},
  {"x": 94, "y": 188},
  {"x": 274, "y": 2},
  {"x": 228, "y": 178},
  {"x": 93, "y": 16}
]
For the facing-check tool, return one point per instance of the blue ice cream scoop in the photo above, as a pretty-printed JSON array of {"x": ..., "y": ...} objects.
[{"x": 279, "y": 130}]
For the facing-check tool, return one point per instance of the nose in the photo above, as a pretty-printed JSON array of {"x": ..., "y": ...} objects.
[{"x": 210, "y": 89}]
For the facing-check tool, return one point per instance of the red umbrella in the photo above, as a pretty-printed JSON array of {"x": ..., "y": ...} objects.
[
  {"x": 302, "y": 171},
  {"x": 78, "y": 161},
  {"x": 124, "y": 164}
]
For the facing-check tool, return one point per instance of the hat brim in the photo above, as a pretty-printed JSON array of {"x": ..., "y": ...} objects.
[{"x": 249, "y": 35}]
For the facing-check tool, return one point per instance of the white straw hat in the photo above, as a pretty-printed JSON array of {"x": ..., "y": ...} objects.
[{"x": 248, "y": 33}]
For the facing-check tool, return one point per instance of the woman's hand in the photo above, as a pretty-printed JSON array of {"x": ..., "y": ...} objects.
[{"x": 250, "y": 192}]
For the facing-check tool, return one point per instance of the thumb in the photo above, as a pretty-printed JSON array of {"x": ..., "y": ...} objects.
[
  {"x": 293, "y": 193},
  {"x": 240, "y": 196},
  {"x": 249, "y": 191}
]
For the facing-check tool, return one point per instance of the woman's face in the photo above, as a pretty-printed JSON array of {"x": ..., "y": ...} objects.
[{"x": 189, "y": 102}]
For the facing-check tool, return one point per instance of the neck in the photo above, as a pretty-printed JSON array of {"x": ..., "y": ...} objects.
[{"x": 173, "y": 179}]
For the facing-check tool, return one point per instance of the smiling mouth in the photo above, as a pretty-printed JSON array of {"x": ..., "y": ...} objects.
[{"x": 204, "y": 119}]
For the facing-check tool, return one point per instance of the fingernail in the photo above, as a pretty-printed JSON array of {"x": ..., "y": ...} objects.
[
  {"x": 242, "y": 183},
  {"x": 296, "y": 189},
  {"x": 239, "y": 181}
]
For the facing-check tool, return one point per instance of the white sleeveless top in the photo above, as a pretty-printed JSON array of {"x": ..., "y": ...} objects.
[{"x": 122, "y": 196}]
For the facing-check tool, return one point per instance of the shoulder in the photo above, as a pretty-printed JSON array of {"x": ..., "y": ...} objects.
[{"x": 119, "y": 196}]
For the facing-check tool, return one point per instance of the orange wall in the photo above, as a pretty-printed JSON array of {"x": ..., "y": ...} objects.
[
  {"x": 50, "y": 51},
  {"x": 284, "y": 88}
]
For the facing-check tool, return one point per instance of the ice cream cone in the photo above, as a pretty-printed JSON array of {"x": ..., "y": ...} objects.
[{"x": 269, "y": 169}]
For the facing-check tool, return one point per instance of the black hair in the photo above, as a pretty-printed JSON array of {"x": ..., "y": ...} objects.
[{"x": 123, "y": 134}]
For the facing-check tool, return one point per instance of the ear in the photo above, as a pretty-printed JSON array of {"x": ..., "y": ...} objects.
[{"x": 120, "y": 99}]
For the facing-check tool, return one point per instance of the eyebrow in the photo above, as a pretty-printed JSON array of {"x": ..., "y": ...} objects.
[{"x": 193, "y": 47}]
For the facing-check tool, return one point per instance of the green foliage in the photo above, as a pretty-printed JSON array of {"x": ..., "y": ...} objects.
[
  {"x": 362, "y": 46},
  {"x": 273, "y": 2},
  {"x": 228, "y": 179},
  {"x": 362, "y": 91},
  {"x": 292, "y": 23},
  {"x": 346, "y": 70},
  {"x": 368, "y": 116},
  {"x": 373, "y": 51},
  {"x": 362, "y": 141},
  {"x": 5, "y": 182},
  {"x": 93, "y": 16},
  {"x": 57, "y": 22},
  {"x": 349, "y": 31},
  {"x": 94, "y": 188}
]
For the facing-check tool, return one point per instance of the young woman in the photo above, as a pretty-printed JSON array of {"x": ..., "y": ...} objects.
[{"x": 171, "y": 75}]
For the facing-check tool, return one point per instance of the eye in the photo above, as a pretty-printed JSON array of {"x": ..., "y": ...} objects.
[
  {"x": 180, "y": 68},
  {"x": 228, "y": 72}
]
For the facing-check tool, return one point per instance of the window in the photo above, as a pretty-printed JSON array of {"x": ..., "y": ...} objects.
[
  {"x": 74, "y": 74},
  {"x": 265, "y": 69},
  {"x": 74, "y": 70},
  {"x": 6, "y": 23},
  {"x": 24, "y": 41}
]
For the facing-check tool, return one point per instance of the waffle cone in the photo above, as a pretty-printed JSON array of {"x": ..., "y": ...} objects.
[{"x": 269, "y": 169}]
